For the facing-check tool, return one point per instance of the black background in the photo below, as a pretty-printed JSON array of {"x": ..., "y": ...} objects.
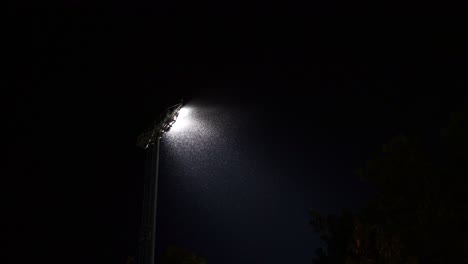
[{"x": 87, "y": 78}]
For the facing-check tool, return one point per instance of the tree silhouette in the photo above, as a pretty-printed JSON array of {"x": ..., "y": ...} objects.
[
  {"x": 420, "y": 212},
  {"x": 176, "y": 255}
]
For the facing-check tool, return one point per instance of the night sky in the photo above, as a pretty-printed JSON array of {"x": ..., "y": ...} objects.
[{"x": 286, "y": 103}]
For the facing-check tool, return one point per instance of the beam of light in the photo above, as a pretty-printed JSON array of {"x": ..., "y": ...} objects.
[
  {"x": 183, "y": 120},
  {"x": 191, "y": 127},
  {"x": 194, "y": 136}
]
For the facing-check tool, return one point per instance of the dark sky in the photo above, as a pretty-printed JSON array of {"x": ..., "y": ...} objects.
[{"x": 300, "y": 96}]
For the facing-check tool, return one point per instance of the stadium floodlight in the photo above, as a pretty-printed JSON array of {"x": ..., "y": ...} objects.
[
  {"x": 152, "y": 135},
  {"x": 149, "y": 140}
]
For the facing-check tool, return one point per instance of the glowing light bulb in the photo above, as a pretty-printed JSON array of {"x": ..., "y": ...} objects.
[{"x": 183, "y": 120}]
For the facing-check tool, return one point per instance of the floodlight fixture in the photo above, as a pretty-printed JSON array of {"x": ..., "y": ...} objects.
[{"x": 154, "y": 133}]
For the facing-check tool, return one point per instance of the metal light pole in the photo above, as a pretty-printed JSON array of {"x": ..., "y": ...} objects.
[{"x": 149, "y": 140}]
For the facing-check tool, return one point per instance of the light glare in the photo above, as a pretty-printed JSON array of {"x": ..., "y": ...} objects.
[{"x": 182, "y": 121}]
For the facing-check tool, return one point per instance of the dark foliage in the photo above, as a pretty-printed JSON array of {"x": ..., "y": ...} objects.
[
  {"x": 420, "y": 212},
  {"x": 176, "y": 255}
]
